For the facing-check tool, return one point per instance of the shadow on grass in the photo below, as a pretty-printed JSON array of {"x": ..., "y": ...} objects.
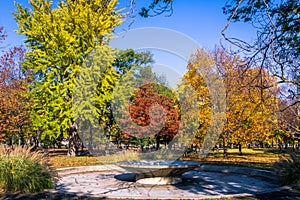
[
  {"x": 257, "y": 165},
  {"x": 221, "y": 155}
]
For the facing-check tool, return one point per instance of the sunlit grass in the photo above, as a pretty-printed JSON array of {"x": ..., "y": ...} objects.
[
  {"x": 66, "y": 161},
  {"x": 260, "y": 158}
]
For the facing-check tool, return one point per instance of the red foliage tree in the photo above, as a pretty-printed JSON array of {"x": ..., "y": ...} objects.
[
  {"x": 153, "y": 115},
  {"x": 14, "y": 107}
]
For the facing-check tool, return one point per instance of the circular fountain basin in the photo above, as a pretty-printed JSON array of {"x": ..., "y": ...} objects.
[{"x": 158, "y": 172}]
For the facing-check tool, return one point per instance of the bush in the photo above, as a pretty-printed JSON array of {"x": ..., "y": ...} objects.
[
  {"x": 288, "y": 170},
  {"x": 25, "y": 171}
]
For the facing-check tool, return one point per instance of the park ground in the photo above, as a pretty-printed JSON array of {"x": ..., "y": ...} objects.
[{"x": 263, "y": 158}]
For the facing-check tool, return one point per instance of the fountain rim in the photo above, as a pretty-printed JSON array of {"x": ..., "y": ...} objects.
[{"x": 165, "y": 164}]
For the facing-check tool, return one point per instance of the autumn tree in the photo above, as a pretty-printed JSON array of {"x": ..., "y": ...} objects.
[
  {"x": 251, "y": 109},
  {"x": 58, "y": 40},
  {"x": 152, "y": 115},
  {"x": 14, "y": 106},
  {"x": 288, "y": 121},
  {"x": 193, "y": 77},
  {"x": 93, "y": 98},
  {"x": 204, "y": 102},
  {"x": 277, "y": 26},
  {"x": 2, "y": 37},
  {"x": 275, "y": 48}
]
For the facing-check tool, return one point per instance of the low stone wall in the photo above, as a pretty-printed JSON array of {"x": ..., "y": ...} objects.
[{"x": 87, "y": 169}]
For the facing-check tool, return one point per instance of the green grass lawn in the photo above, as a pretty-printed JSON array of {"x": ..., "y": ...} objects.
[{"x": 260, "y": 158}]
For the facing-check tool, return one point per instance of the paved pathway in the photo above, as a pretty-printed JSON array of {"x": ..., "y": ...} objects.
[{"x": 204, "y": 182}]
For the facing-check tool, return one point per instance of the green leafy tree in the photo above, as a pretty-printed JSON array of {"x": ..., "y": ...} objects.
[
  {"x": 127, "y": 62},
  {"x": 93, "y": 96},
  {"x": 59, "y": 39}
]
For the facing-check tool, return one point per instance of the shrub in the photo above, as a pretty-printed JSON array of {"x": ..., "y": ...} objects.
[
  {"x": 25, "y": 171},
  {"x": 288, "y": 170}
]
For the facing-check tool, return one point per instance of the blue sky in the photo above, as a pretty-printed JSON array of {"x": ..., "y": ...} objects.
[{"x": 201, "y": 20}]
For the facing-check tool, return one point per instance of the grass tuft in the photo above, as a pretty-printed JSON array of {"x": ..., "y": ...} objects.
[
  {"x": 288, "y": 170},
  {"x": 23, "y": 170}
]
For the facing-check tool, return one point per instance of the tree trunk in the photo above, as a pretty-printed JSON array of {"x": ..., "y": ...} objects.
[
  {"x": 90, "y": 146},
  {"x": 157, "y": 142},
  {"x": 107, "y": 143},
  {"x": 21, "y": 137},
  {"x": 72, "y": 150},
  {"x": 294, "y": 145},
  {"x": 279, "y": 145},
  {"x": 240, "y": 148},
  {"x": 225, "y": 153}
]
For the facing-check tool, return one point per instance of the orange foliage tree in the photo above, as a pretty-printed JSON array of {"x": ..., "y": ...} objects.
[
  {"x": 289, "y": 122},
  {"x": 153, "y": 115},
  {"x": 251, "y": 101},
  {"x": 14, "y": 106}
]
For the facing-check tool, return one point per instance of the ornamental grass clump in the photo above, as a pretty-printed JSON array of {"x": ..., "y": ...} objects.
[
  {"x": 288, "y": 170},
  {"x": 25, "y": 171}
]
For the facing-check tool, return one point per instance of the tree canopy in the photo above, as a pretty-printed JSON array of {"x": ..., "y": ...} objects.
[
  {"x": 277, "y": 45},
  {"x": 59, "y": 39}
]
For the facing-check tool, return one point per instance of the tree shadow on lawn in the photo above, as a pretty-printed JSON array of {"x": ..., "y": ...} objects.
[{"x": 258, "y": 165}]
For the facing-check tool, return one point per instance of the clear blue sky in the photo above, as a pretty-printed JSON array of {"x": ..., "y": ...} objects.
[{"x": 202, "y": 20}]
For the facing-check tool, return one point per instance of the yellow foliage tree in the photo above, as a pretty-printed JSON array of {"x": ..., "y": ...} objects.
[{"x": 251, "y": 101}]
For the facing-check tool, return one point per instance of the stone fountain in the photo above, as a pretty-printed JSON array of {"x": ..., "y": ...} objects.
[{"x": 158, "y": 172}]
